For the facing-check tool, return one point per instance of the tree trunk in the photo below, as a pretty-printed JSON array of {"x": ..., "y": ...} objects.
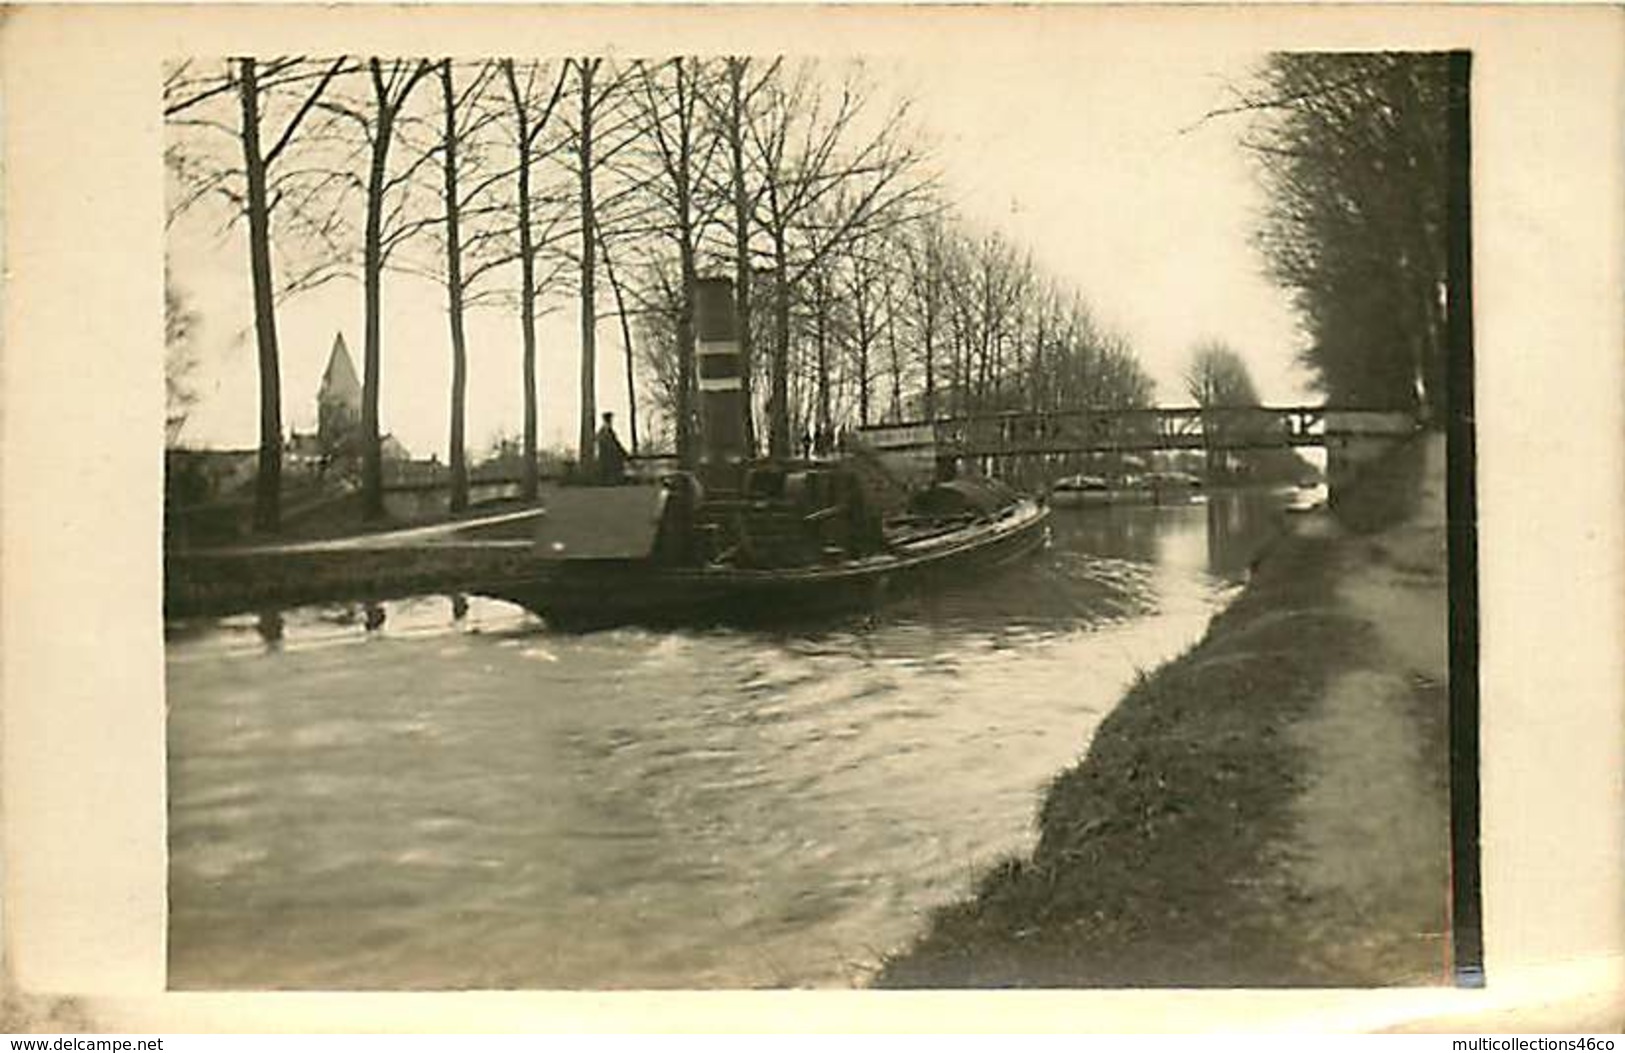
[
  {"x": 930, "y": 366},
  {"x": 896, "y": 362},
  {"x": 826, "y": 423},
  {"x": 685, "y": 351},
  {"x": 372, "y": 468},
  {"x": 585, "y": 454},
  {"x": 456, "y": 454},
  {"x": 626, "y": 342},
  {"x": 863, "y": 374},
  {"x": 1425, "y": 286},
  {"x": 529, "y": 484},
  {"x": 741, "y": 205},
  {"x": 1038, "y": 368},
  {"x": 778, "y": 444},
  {"x": 268, "y": 479},
  {"x": 686, "y": 451},
  {"x": 961, "y": 373}
]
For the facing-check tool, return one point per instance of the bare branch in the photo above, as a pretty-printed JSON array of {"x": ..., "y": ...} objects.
[{"x": 303, "y": 111}]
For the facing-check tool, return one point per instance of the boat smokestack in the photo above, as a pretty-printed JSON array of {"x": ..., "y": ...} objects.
[{"x": 720, "y": 372}]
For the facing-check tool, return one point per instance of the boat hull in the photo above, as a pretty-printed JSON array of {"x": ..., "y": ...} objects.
[{"x": 589, "y": 594}]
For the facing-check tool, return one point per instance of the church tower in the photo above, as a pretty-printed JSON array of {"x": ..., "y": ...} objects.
[{"x": 338, "y": 404}]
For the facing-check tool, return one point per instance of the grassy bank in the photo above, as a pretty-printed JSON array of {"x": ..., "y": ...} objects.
[{"x": 1159, "y": 859}]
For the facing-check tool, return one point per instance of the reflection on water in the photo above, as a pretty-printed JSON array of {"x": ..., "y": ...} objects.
[{"x": 441, "y": 793}]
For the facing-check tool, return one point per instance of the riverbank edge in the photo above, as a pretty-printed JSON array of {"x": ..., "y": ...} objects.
[{"x": 1159, "y": 854}]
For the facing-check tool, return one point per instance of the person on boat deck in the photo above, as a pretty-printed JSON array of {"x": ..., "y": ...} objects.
[{"x": 611, "y": 454}]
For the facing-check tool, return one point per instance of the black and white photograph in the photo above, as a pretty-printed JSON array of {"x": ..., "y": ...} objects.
[
  {"x": 671, "y": 521},
  {"x": 986, "y": 499}
]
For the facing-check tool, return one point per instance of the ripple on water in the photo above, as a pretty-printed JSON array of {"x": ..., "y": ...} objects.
[
  {"x": 220, "y": 860},
  {"x": 489, "y": 802}
]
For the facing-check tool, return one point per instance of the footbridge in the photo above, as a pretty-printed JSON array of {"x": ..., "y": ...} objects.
[{"x": 1351, "y": 436}]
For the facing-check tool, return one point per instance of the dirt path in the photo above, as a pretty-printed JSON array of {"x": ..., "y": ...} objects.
[
  {"x": 1366, "y": 855},
  {"x": 1270, "y": 808}
]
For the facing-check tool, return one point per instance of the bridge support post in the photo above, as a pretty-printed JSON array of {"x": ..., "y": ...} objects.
[{"x": 1361, "y": 437}]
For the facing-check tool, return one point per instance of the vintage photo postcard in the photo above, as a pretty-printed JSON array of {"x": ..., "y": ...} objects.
[{"x": 853, "y": 499}]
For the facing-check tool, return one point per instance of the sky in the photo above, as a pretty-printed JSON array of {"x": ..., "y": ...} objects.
[{"x": 1111, "y": 179}]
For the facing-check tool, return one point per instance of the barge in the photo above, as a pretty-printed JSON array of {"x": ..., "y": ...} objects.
[{"x": 609, "y": 556}]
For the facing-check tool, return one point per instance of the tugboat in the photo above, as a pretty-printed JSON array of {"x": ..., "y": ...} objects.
[
  {"x": 728, "y": 539},
  {"x": 743, "y": 540},
  {"x": 796, "y": 540}
]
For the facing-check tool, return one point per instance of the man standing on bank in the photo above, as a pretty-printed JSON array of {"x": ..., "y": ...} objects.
[{"x": 611, "y": 454}]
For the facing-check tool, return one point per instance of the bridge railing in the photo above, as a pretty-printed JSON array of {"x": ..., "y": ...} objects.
[{"x": 1168, "y": 428}]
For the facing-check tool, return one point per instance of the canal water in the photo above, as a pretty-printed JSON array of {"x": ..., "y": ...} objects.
[{"x": 455, "y": 797}]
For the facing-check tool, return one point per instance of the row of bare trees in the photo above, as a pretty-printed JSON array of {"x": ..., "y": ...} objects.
[
  {"x": 517, "y": 184},
  {"x": 917, "y": 320}
]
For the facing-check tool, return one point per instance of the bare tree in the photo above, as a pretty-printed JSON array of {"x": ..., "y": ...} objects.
[
  {"x": 807, "y": 153},
  {"x": 185, "y": 104},
  {"x": 375, "y": 118},
  {"x": 660, "y": 297},
  {"x": 1218, "y": 381},
  {"x": 626, "y": 337},
  {"x": 861, "y": 278},
  {"x": 530, "y": 117},
  {"x": 456, "y": 455},
  {"x": 732, "y": 108},
  {"x": 180, "y": 358},
  {"x": 890, "y": 300},
  {"x": 596, "y": 131},
  {"x": 671, "y": 96},
  {"x": 391, "y": 87},
  {"x": 586, "y": 70},
  {"x": 927, "y": 276},
  {"x": 1218, "y": 377},
  {"x": 462, "y": 118}
]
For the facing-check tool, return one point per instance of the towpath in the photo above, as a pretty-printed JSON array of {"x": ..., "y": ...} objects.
[
  {"x": 1269, "y": 808},
  {"x": 1364, "y": 857}
]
